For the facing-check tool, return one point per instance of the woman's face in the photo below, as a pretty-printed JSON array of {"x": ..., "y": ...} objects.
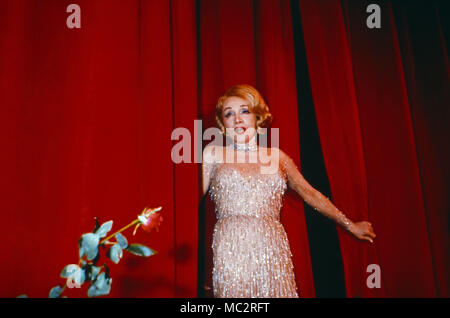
[{"x": 238, "y": 120}]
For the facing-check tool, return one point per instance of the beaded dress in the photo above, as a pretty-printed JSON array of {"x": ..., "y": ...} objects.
[{"x": 251, "y": 252}]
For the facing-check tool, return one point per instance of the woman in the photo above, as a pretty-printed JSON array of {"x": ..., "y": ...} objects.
[{"x": 251, "y": 252}]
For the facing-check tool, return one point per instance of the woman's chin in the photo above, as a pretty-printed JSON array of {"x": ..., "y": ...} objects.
[{"x": 243, "y": 138}]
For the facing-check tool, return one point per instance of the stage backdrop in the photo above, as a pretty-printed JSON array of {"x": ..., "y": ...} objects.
[{"x": 87, "y": 114}]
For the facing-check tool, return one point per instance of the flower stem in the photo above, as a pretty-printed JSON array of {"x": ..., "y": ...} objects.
[{"x": 122, "y": 229}]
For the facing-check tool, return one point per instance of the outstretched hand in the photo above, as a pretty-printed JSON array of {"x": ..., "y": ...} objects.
[{"x": 363, "y": 231}]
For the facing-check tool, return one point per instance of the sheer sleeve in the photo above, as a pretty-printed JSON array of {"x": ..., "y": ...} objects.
[{"x": 311, "y": 196}]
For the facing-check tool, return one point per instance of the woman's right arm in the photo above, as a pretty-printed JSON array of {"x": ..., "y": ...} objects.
[{"x": 207, "y": 166}]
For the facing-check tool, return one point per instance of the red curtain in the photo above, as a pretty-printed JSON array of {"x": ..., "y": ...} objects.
[
  {"x": 87, "y": 116},
  {"x": 375, "y": 125}
]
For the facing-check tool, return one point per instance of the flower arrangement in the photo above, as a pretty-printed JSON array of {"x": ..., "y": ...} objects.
[{"x": 87, "y": 271}]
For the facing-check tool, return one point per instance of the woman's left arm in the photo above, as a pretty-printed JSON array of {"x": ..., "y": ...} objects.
[{"x": 361, "y": 230}]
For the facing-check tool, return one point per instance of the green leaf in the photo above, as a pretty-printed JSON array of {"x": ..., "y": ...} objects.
[
  {"x": 55, "y": 292},
  {"x": 101, "y": 286},
  {"x": 79, "y": 277},
  {"x": 115, "y": 253},
  {"x": 69, "y": 270},
  {"x": 121, "y": 240},
  {"x": 140, "y": 250},
  {"x": 89, "y": 245},
  {"x": 74, "y": 274},
  {"x": 94, "y": 272},
  {"x": 104, "y": 229}
]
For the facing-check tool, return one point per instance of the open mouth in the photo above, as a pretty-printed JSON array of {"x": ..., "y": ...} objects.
[{"x": 239, "y": 130}]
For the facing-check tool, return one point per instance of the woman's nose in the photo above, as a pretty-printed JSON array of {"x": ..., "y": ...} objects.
[{"x": 238, "y": 119}]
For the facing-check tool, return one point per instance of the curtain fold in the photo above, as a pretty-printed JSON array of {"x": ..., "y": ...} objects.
[
  {"x": 334, "y": 96},
  {"x": 184, "y": 46},
  {"x": 426, "y": 70},
  {"x": 361, "y": 100}
]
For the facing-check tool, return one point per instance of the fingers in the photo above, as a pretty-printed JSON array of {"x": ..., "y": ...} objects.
[
  {"x": 370, "y": 231},
  {"x": 370, "y": 236},
  {"x": 367, "y": 238},
  {"x": 366, "y": 232}
]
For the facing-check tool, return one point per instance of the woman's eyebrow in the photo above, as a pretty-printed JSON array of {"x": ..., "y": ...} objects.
[{"x": 244, "y": 105}]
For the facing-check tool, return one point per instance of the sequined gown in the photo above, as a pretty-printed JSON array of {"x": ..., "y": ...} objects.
[{"x": 251, "y": 252}]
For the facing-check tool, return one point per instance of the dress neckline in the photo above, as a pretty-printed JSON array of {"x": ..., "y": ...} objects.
[{"x": 234, "y": 166}]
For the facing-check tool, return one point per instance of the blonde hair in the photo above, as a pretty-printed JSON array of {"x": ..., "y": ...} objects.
[{"x": 257, "y": 105}]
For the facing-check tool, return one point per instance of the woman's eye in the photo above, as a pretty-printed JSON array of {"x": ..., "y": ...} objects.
[
  {"x": 228, "y": 114},
  {"x": 245, "y": 111}
]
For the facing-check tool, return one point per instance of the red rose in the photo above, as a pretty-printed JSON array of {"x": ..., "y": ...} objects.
[{"x": 153, "y": 221}]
